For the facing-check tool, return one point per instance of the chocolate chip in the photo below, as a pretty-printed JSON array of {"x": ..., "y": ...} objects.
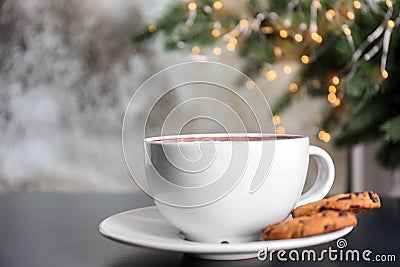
[
  {"x": 372, "y": 197},
  {"x": 354, "y": 207},
  {"x": 324, "y": 214},
  {"x": 343, "y": 213},
  {"x": 344, "y": 198},
  {"x": 301, "y": 221},
  {"x": 326, "y": 227},
  {"x": 357, "y": 194}
]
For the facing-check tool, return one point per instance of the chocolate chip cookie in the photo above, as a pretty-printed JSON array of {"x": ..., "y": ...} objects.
[
  {"x": 354, "y": 202},
  {"x": 320, "y": 223}
]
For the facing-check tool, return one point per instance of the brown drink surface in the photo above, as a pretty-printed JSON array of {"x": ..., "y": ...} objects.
[{"x": 225, "y": 138}]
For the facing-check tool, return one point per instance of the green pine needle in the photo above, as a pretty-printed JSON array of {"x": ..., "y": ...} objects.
[
  {"x": 282, "y": 103},
  {"x": 363, "y": 124},
  {"x": 389, "y": 155},
  {"x": 391, "y": 129}
]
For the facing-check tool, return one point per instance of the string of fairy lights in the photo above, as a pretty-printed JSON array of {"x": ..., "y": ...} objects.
[{"x": 306, "y": 32}]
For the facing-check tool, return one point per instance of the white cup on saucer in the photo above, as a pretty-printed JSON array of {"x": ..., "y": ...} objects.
[{"x": 225, "y": 188}]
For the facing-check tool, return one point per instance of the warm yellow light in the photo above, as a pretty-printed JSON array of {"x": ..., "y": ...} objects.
[
  {"x": 389, "y": 3},
  {"x": 298, "y": 37},
  {"x": 350, "y": 15},
  {"x": 331, "y": 98},
  {"x": 332, "y": 89},
  {"x": 152, "y": 28},
  {"x": 217, "y": 5},
  {"x": 293, "y": 87},
  {"x": 271, "y": 75},
  {"x": 231, "y": 47},
  {"x": 267, "y": 29},
  {"x": 283, "y": 33},
  {"x": 321, "y": 134},
  {"x": 390, "y": 23},
  {"x": 277, "y": 51},
  {"x": 217, "y": 51},
  {"x": 357, "y": 4},
  {"x": 280, "y": 130},
  {"x": 305, "y": 59},
  {"x": 385, "y": 74},
  {"x": 244, "y": 23},
  {"x": 335, "y": 80},
  {"x": 196, "y": 50},
  {"x": 326, "y": 138},
  {"x": 215, "y": 33},
  {"x": 316, "y": 37},
  {"x": 337, "y": 102},
  {"x": 233, "y": 40},
  {"x": 192, "y": 6},
  {"x": 249, "y": 85},
  {"x": 276, "y": 119},
  {"x": 347, "y": 31},
  {"x": 330, "y": 13},
  {"x": 287, "y": 69}
]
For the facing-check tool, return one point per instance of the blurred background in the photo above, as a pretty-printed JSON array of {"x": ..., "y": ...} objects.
[{"x": 68, "y": 69}]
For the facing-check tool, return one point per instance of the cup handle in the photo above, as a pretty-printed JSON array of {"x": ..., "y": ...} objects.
[{"x": 325, "y": 177}]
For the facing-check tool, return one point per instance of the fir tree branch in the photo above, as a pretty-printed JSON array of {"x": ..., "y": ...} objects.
[
  {"x": 363, "y": 125},
  {"x": 282, "y": 103},
  {"x": 389, "y": 155},
  {"x": 391, "y": 129},
  {"x": 370, "y": 99}
]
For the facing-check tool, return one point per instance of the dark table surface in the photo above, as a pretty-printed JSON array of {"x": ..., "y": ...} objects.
[{"x": 44, "y": 229}]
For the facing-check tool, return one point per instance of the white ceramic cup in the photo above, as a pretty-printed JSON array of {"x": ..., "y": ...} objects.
[{"x": 225, "y": 188}]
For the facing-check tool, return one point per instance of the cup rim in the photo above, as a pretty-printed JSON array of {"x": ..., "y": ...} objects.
[{"x": 160, "y": 139}]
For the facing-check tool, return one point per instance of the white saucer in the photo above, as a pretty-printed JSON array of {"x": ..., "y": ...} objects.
[{"x": 147, "y": 227}]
